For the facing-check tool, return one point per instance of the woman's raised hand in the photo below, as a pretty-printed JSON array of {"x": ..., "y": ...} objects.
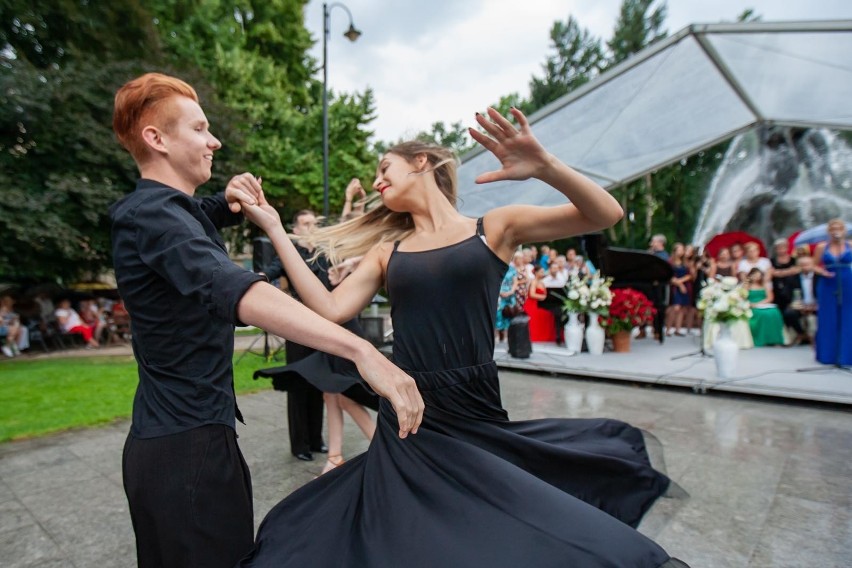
[{"x": 519, "y": 152}]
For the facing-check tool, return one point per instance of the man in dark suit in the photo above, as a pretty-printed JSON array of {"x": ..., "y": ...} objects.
[
  {"x": 304, "y": 401},
  {"x": 802, "y": 292}
]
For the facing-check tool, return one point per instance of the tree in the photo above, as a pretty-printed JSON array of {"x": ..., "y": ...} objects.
[
  {"x": 578, "y": 58},
  {"x": 60, "y": 168},
  {"x": 256, "y": 56},
  {"x": 635, "y": 29}
]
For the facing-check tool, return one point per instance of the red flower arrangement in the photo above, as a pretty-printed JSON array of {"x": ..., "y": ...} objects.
[{"x": 629, "y": 308}]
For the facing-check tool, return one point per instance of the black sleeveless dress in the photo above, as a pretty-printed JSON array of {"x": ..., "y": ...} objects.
[{"x": 471, "y": 488}]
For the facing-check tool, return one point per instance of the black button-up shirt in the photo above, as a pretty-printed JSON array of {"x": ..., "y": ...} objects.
[{"x": 181, "y": 291}]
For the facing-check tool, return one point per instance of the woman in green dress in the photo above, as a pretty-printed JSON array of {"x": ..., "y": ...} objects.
[{"x": 767, "y": 323}]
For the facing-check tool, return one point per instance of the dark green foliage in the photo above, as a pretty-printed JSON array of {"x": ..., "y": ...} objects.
[
  {"x": 578, "y": 57},
  {"x": 60, "y": 165},
  {"x": 636, "y": 29}
]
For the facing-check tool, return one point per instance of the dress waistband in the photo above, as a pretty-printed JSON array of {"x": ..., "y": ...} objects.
[{"x": 433, "y": 380}]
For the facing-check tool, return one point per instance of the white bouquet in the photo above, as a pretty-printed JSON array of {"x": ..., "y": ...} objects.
[
  {"x": 724, "y": 300},
  {"x": 587, "y": 295}
]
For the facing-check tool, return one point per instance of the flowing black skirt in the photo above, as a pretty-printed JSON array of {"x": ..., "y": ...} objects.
[{"x": 473, "y": 489}]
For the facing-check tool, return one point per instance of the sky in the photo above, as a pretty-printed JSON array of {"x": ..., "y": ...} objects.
[{"x": 444, "y": 60}]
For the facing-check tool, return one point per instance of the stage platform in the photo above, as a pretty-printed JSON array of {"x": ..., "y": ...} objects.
[{"x": 788, "y": 372}]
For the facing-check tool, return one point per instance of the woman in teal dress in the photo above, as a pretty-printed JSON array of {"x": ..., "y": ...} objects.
[{"x": 767, "y": 323}]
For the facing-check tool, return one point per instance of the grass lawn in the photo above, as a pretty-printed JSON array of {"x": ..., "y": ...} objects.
[{"x": 49, "y": 395}]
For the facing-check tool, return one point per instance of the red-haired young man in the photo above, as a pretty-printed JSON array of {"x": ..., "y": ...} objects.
[{"x": 186, "y": 481}]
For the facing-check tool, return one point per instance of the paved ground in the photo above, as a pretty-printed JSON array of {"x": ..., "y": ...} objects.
[{"x": 769, "y": 481}]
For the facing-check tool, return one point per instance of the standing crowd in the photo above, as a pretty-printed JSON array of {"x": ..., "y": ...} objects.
[{"x": 797, "y": 296}]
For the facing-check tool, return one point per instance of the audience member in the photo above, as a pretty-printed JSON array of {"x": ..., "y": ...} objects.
[
  {"x": 725, "y": 265},
  {"x": 703, "y": 270},
  {"x": 71, "y": 322},
  {"x": 522, "y": 279},
  {"x": 93, "y": 316},
  {"x": 506, "y": 303},
  {"x": 802, "y": 303},
  {"x": 736, "y": 255},
  {"x": 767, "y": 324},
  {"x": 541, "y": 323},
  {"x": 14, "y": 336},
  {"x": 785, "y": 274},
  {"x": 752, "y": 259},
  {"x": 544, "y": 256},
  {"x": 556, "y": 281},
  {"x": 681, "y": 297},
  {"x": 658, "y": 246}
]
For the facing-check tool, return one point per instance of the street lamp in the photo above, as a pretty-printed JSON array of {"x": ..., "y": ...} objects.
[{"x": 351, "y": 34}]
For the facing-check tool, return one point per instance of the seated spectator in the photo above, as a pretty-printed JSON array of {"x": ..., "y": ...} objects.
[
  {"x": 71, "y": 322},
  {"x": 15, "y": 337},
  {"x": 803, "y": 300},
  {"x": 93, "y": 316},
  {"x": 541, "y": 323},
  {"x": 752, "y": 259},
  {"x": 767, "y": 324}
]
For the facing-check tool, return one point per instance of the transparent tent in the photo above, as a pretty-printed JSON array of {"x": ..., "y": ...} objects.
[{"x": 695, "y": 89}]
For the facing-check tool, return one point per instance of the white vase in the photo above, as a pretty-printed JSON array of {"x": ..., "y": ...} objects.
[
  {"x": 594, "y": 335},
  {"x": 573, "y": 333},
  {"x": 725, "y": 352}
]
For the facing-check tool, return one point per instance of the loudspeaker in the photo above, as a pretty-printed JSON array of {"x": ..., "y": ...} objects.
[{"x": 263, "y": 253}]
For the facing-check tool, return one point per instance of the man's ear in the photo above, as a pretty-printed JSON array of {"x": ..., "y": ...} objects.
[{"x": 154, "y": 139}]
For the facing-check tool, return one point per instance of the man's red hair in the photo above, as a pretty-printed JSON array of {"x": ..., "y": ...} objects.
[{"x": 143, "y": 102}]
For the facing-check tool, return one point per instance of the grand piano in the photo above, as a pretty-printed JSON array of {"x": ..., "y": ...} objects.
[{"x": 642, "y": 271}]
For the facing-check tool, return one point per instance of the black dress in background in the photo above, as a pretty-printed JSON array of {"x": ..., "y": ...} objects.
[{"x": 471, "y": 488}]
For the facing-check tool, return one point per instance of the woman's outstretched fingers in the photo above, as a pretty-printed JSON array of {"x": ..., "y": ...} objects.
[
  {"x": 523, "y": 123},
  {"x": 490, "y": 127},
  {"x": 506, "y": 127}
]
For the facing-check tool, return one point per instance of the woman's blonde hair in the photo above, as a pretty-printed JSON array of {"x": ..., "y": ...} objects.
[{"x": 379, "y": 224}]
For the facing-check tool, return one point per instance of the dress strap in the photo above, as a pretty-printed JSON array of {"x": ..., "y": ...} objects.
[
  {"x": 479, "y": 230},
  {"x": 395, "y": 245}
]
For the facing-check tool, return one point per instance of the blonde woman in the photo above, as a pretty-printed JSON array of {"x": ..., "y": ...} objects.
[{"x": 471, "y": 488}]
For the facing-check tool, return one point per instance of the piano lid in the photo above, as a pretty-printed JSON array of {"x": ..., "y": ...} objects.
[{"x": 634, "y": 266}]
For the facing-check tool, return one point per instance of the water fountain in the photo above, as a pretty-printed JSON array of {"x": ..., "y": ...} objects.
[{"x": 774, "y": 181}]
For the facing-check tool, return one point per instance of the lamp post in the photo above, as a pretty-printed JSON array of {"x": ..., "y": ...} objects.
[{"x": 351, "y": 34}]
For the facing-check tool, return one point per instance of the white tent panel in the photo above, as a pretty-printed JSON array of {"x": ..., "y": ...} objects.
[
  {"x": 793, "y": 77},
  {"x": 695, "y": 89}
]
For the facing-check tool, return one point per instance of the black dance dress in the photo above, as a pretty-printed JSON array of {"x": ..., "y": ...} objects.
[{"x": 471, "y": 488}]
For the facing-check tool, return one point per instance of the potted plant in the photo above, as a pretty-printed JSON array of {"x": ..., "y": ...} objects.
[{"x": 629, "y": 308}]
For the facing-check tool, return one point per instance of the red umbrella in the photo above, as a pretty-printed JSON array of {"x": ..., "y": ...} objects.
[{"x": 723, "y": 240}]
